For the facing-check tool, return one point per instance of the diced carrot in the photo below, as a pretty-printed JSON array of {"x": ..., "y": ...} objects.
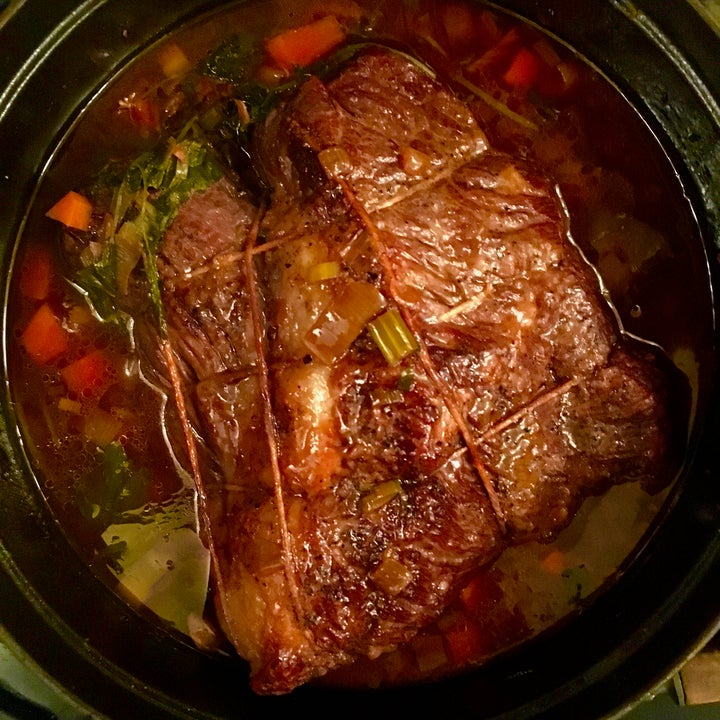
[
  {"x": 302, "y": 46},
  {"x": 44, "y": 338},
  {"x": 481, "y": 593},
  {"x": 498, "y": 54},
  {"x": 465, "y": 641},
  {"x": 73, "y": 210},
  {"x": 524, "y": 69},
  {"x": 36, "y": 274},
  {"x": 554, "y": 562},
  {"x": 144, "y": 114},
  {"x": 459, "y": 24},
  {"x": 88, "y": 373}
]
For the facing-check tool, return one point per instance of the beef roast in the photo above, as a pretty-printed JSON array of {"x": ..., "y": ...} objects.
[{"x": 347, "y": 498}]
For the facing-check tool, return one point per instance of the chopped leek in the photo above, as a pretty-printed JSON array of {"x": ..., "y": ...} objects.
[
  {"x": 148, "y": 198},
  {"x": 324, "y": 271},
  {"x": 380, "y": 495},
  {"x": 393, "y": 336}
]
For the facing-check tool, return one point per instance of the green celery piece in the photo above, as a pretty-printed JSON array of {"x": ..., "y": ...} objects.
[{"x": 392, "y": 336}]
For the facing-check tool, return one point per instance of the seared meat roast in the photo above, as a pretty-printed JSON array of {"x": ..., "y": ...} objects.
[{"x": 348, "y": 494}]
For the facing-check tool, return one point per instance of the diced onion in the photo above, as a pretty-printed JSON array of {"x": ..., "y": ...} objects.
[
  {"x": 173, "y": 61},
  {"x": 70, "y": 406},
  {"x": 392, "y": 576},
  {"x": 101, "y": 427},
  {"x": 343, "y": 320},
  {"x": 335, "y": 161}
]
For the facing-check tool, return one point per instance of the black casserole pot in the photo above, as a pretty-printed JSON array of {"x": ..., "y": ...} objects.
[{"x": 55, "y": 57}]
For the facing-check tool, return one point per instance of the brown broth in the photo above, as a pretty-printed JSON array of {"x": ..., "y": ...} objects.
[{"x": 629, "y": 215}]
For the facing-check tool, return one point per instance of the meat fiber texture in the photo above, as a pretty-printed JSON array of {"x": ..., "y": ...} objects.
[{"x": 346, "y": 500}]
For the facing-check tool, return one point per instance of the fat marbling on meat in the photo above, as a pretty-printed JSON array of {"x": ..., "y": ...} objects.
[{"x": 345, "y": 499}]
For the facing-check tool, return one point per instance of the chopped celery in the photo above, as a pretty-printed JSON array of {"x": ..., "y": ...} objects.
[{"x": 392, "y": 336}]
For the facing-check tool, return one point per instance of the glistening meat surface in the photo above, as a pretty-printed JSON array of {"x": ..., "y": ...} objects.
[{"x": 346, "y": 499}]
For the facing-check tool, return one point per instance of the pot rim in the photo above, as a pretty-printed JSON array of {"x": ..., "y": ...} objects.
[{"x": 73, "y": 653}]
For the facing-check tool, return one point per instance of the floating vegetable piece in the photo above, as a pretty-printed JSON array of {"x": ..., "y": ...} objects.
[
  {"x": 87, "y": 374},
  {"x": 72, "y": 210},
  {"x": 301, "y": 46},
  {"x": 554, "y": 561},
  {"x": 44, "y": 338},
  {"x": 174, "y": 61},
  {"x": 524, "y": 70},
  {"x": 143, "y": 113},
  {"x": 128, "y": 253},
  {"x": 101, "y": 427},
  {"x": 114, "y": 487},
  {"x": 151, "y": 193}
]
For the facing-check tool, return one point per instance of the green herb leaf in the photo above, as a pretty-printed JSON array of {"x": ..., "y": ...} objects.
[
  {"x": 238, "y": 59},
  {"x": 234, "y": 60},
  {"x": 114, "y": 487},
  {"x": 150, "y": 195},
  {"x": 406, "y": 380}
]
